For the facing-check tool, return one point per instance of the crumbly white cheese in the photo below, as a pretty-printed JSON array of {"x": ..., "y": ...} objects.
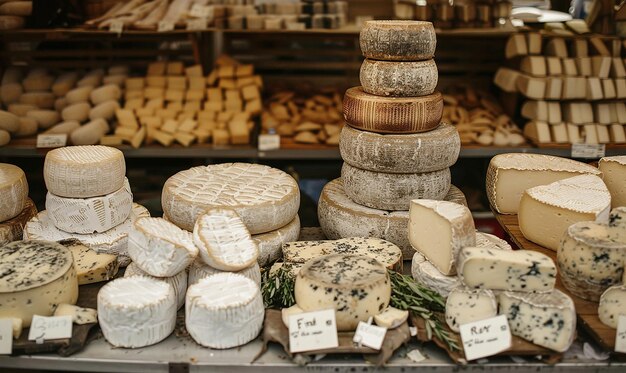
[{"x": 468, "y": 305}]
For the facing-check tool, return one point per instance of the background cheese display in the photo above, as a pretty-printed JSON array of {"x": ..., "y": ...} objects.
[
  {"x": 400, "y": 79},
  {"x": 614, "y": 175},
  {"x": 13, "y": 191},
  {"x": 12, "y": 229},
  {"x": 398, "y": 40},
  {"x": 178, "y": 281}
]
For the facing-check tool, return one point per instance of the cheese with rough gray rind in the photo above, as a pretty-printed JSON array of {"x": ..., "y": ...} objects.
[
  {"x": 80, "y": 315},
  {"x": 178, "y": 281},
  {"x": 91, "y": 267},
  {"x": 387, "y": 191},
  {"x": 136, "y": 311},
  {"x": 415, "y": 153},
  {"x": 13, "y": 191},
  {"x": 199, "y": 270},
  {"x": 357, "y": 287},
  {"x": 469, "y": 305},
  {"x": 612, "y": 305},
  {"x": 509, "y": 175},
  {"x": 270, "y": 243},
  {"x": 311, "y": 234},
  {"x": 11, "y": 230},
  {"x": 399, "y": 79},
  {"x": 159, "y": 247},
  {"x": 36, "y": 276},
  {"x": 224, "y": 311},
  {"x": 398, "y": 40},
  {"x": 84, "y": 171},
  {"x": 547, "y": 319},
  {"x": 439, "y": 230},
  {"x": 614, "y": 175},
  {"x": 265, "y": 198},
  {"x": 546, "y": 211},
  {"x": 400, "y": 115}
]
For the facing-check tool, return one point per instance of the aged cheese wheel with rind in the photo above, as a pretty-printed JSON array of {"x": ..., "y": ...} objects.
[
  {"x": 399, "y": 79},
  {"x": 398, "y": 40},
  {"x": 11, "y": 230}
]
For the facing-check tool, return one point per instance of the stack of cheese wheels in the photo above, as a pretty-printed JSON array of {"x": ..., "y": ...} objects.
[
  {"x": 394, "y": 147},
  {"x": 89, "y": 199},
  {"x": 15, "y": 206}
]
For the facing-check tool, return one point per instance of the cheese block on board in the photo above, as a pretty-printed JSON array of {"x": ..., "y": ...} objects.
[
  {"x": 614, "y": 176},
  {"x": 373, "y": 113},
  {"x": 546, "y": 211},
  {"x": 224, "y": 241},
  {"x": 428, "y": 275},
  {"x": 199, "y": 270},
  {"x": 90, "y": 215},
  {"x": 414, "y": 153},
  {"x": 265, "y": 198},
  {"x": 37, "y": 275},
  {"x": 391, "y": 318},
  {"x": 136, "y": 311},
  {"x": 612, "y": 305},
  {"x": 469, "y": 305},
  {"x": 509, "y": 175},
  {"x": 357, "y": 287},
  {"x": 84, "y": 171},
  {"x": 13, "y": 191},
  {"x": 80, "y": 315},
  {"x": 398, "y": 40},
  {"x": 547, "y": 320},
  {"x": 11, "y": 230},
  {"x": 270, "y": 243},
  {"x": 178, "y": 281},
  {"x": 159, "y": 247},
  {"x": 439, "y": 230},
  {"x": 224, "y": 311},
  {"x": 399, "y": 79},
  {"x": 91, "y": 267}
]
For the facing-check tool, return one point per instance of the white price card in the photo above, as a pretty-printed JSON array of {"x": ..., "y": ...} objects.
[
  {"x": 55, "y": 327},
  {"x": 269, "y": 142},
  {"x": 116, "y": 27},
  {"x": 197, "y": 24},
  {"x": 620, "y": 335},
  {"x": 164, "y": 26},
  {"x": 51, "y": 141},
  {"x": 486, "y": 337},
  {"x": 6, "y": 336},
  {"x": 368, "y": 335},
  {"x": 311, "y": 331},
  {"x": 588, "y": 150},
  {"x": 201, "y": 11}
]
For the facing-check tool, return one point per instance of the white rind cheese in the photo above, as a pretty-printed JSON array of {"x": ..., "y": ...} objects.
[
  {"x": 399, "y": 79},
  {"x": 13, "y": 191},
  {"x": 265, "y": 198},
  {"x": 224, "y": 311},
  {"x": 90, "y": 215},
  {"x": 509, "y": 175},
  {"x": 612, "y": 305},
  {"x": 489, "y": 241},
  {"x": 439, "y": 230},
  {"x": 380, "y": 190},
  {"x": 398, "y": 40},
  {"x": 178, "y": 281},
  {"x": 12, "y": 229},
  {"x": 224, "y": 241},
  {"x": 391, "y": 318},
  {"x": 270, "y": 243},
  {"x": 469, "y": 305},
  {"x": 428, "y": 275},
  {"x": 547, "y": 320},
  {"x": 80, "y": 315},
  {"x": 614, "y": 176},
  {"x": 91, "y": 267},
  {"x": 546, "y": 211},
  {"x": 136, "y": 311},
  {"x": 356, "y": 287},
  {"x": 199, "y": 270},
  {"x": 84, "y": 171},
  {"x": 36, "y": 277},
  {"x": 160, "y": 248}
]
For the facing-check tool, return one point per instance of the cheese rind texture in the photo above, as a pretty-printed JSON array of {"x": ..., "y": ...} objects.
[
  {"x": 13, "y": 191},
  {"x": 265, "y": 198},
  {"x": 37, "y": 276},
  {"x": 91, "y": 267},
  {"x": 80, "y": 315},
  {"x": 428, "y": 275},
  {"x": 356, "y": 287},
  {"x": 469, "y": 305},
  {"x": 415, "y": 153},
  {"x": 136, "y": 311},
  {"x": 547, "y": 320},
  {"x": 199, "y": 270},
  {"x": 509, "y": 175},
  {"x": 270, "y": 243},
  {"x": 489, "y": 241},
  {"x": 12, "y": 229},
  {"x": 224, "y": 311},
  {"x": 90, "y": 215},
  {"x": 614, "y": 176},
  {"x": 178, "y": 281},
  {"x": 612, "y": 305},
  {"x": 398, "y": 40},
  {"x": 399, "y": 79},
  {"x": 387, "y": 191}
]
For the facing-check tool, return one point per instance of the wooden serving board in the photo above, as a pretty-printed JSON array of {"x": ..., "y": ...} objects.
[{"x": 586, "y": 311}]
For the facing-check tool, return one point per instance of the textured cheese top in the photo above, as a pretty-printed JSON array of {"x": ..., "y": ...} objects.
[
  {"x": 28, "y": 264},
  {"x": 489, "y": 241},
  {"x": 398, "y": 40},
  {"x": 621, "y": 159},
  {"x": 340, "y": 270},
  {"x": 135, "y": 293},
  {"x": 584, "y": 193},
  {"x": 164, "y": 230},
  {"x": 223, "y": 290},
  {"x": 598, "y": 235},
  {"x": 540, "y": 162}
]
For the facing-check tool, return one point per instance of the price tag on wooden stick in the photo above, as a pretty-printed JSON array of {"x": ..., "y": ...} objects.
[
  {"x": 486, "y": 337},
  {"x": 51, "y": 141},
  {"x": 369, "y": 335},
  {"x": 116, "y": 27},
  {"x": 311, "y": 331},
  {"x": 6, "y": 336},
  {"x": 588, "y": 150}
]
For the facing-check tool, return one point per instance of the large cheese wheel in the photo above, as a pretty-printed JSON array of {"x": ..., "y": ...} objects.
[
  {"x": 387, "y": 191},
  {"x": 399, "y": 79},
  {"x": 78, "y": 112},
  {"x": 90, "y": 133},
  {"x": 17, "y": 8},
  {"x": 105, "y": 93},
  {"x": 398, "y": 40},
  {"x": 45, "y": 118},
  {"x": 11, "y": 92},
  {"x": 13, "y": 191},
  {"x": 42, "y": 100},
  {"x": 9, "y": 122},
  {"x": 12, "y": 229},
  {"x": 414, "y": 153},
  {"x": 11, "y": 22}
]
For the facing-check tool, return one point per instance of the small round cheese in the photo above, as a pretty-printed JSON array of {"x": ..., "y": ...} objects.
[
  {"x": 398, "y": 40},
  {"x": 612, "y": 305},
  {"x": 199, "y": 270},
  {"x": 13, "y": 191},
  {"x": 399, "y": 79},
  {"x": 270, "y": 243},
  {"x": 178, "y": 281},
  {"x": 12, "y": 229}
]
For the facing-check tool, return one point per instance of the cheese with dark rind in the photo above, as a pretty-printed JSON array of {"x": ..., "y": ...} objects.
[
  {"x": 399, "y": 79},
  {"x": 398, "y": 40},
  {"x": 11, "y": 230}
]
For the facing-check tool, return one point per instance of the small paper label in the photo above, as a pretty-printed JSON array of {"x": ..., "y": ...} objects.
[
  {"x": 165, "y": 26},
  {"x": 116, "y": 27},
  {"x": 368, "y": 335},
  {"x": 269, "y": 142},
  {"x": 51, "y": 141},
  {"x": 588, "y": 150},
  {"x": 620, "y": 335},
  {"x": 197, "y": 24},
  {"x": 6, "y": 336},
  {"x": 201, "y": 11},
  {"x": 54, "y": 327},
  {"x": 486, "y": 337},
  {"x": 313, "y": 331}
]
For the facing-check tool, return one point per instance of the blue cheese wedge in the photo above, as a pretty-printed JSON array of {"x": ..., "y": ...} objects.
[
  {"x": 79, "y": 315},
  {"x": 468, "y": 305},
  {"x": 91, "y": 267}
]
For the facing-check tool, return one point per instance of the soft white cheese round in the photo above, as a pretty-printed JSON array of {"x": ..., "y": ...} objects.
[{"x": 178, "y": 281}]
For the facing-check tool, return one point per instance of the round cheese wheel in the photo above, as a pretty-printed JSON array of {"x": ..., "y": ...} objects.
[
  {"x": 398, "y": 40},
  {"x": 270, "y": 243},
  {"x": 105, "y": 110},
  {"x": 178, "y": 281},
  {"x": 80, "y": 94},
  {"x": 11, "y": 230},
  {"x": 42, "y": 100},
  {"x": 105, "y": 93},
  {"x": 13, "y": 191},
  {"x": 11, "y": 22},
  {"x": 45, "y": 118},
  {"x": 28, "y": 127},
  {"x": 5, "y": 137},
  {"x": 199, "y": 270},
  {"x": 11, "y": 92},
  {"x": 78, "y": 112},
  {"x": 399, "y": 79},
  {"x": 9, "y": 122},
  {"x": 90, "y": 133}
]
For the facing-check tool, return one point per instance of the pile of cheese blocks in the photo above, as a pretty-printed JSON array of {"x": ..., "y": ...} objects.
[
  {"x": 15, "y": 206},
  {"x": 291, "y": 15},
  {"x": 394, "y": 147}
]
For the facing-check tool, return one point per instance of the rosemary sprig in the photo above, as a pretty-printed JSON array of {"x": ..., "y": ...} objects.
[{"x": 277, "y": 288}]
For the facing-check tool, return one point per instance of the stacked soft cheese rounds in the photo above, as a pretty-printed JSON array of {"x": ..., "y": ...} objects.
[
  {"x": 89, "y": 199},
  {"x": 394, "y": 148},
  {"x": 15, "y": 206}
]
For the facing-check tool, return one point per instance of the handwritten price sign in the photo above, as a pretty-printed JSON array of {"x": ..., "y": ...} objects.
[{"x": 313, "y": 331}]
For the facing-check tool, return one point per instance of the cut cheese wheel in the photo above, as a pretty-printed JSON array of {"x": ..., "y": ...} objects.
[
  {"x": 105, "y": 93},
  {"x": 398, "y": 40},
  {"x": 64, "y": 83},
  {"x": 84, "y": 171},
  {"x": 286, "y": 313},
  {"x": 178, "y": 281},
  {"x": 199, "y": 270},
  {"x": 9, "y": 122},
  {"x": 614, "y": 176},
  {"x": 105, "y": 110},
  {"x": 380, "y": 190},
  {"x": 45, "y": 118},
  {"x": 13, "y": 191},
  {"x": 399, "y": 79},
  {"x": 37, "y": 275},
  {"x": 270, "y": 243},
  {"x": 63, "y": 128},
  {"x": 415, "y": 153},
  {"x": 90, "y": 215},
  {"x": 90, "y": 133},
  {"x": 265, "y": 198},
  {"x": 392, "y": 114},
  {"x": 391, "y": 318},
  {"x": 80, "y": 94},
  {"x": 612, "y": 306},
  {"x": 17, "y": 8},
  {"x": 20, "y": 109},
  {"x": 11, "y": 230},
  {"x": 10, "y": 92},
  {"x": 11, "y": 22},
  {"x": 42, "y": 100},
  {"x": 91, "y": 267},
  {"x": 78, "y": 112}
]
